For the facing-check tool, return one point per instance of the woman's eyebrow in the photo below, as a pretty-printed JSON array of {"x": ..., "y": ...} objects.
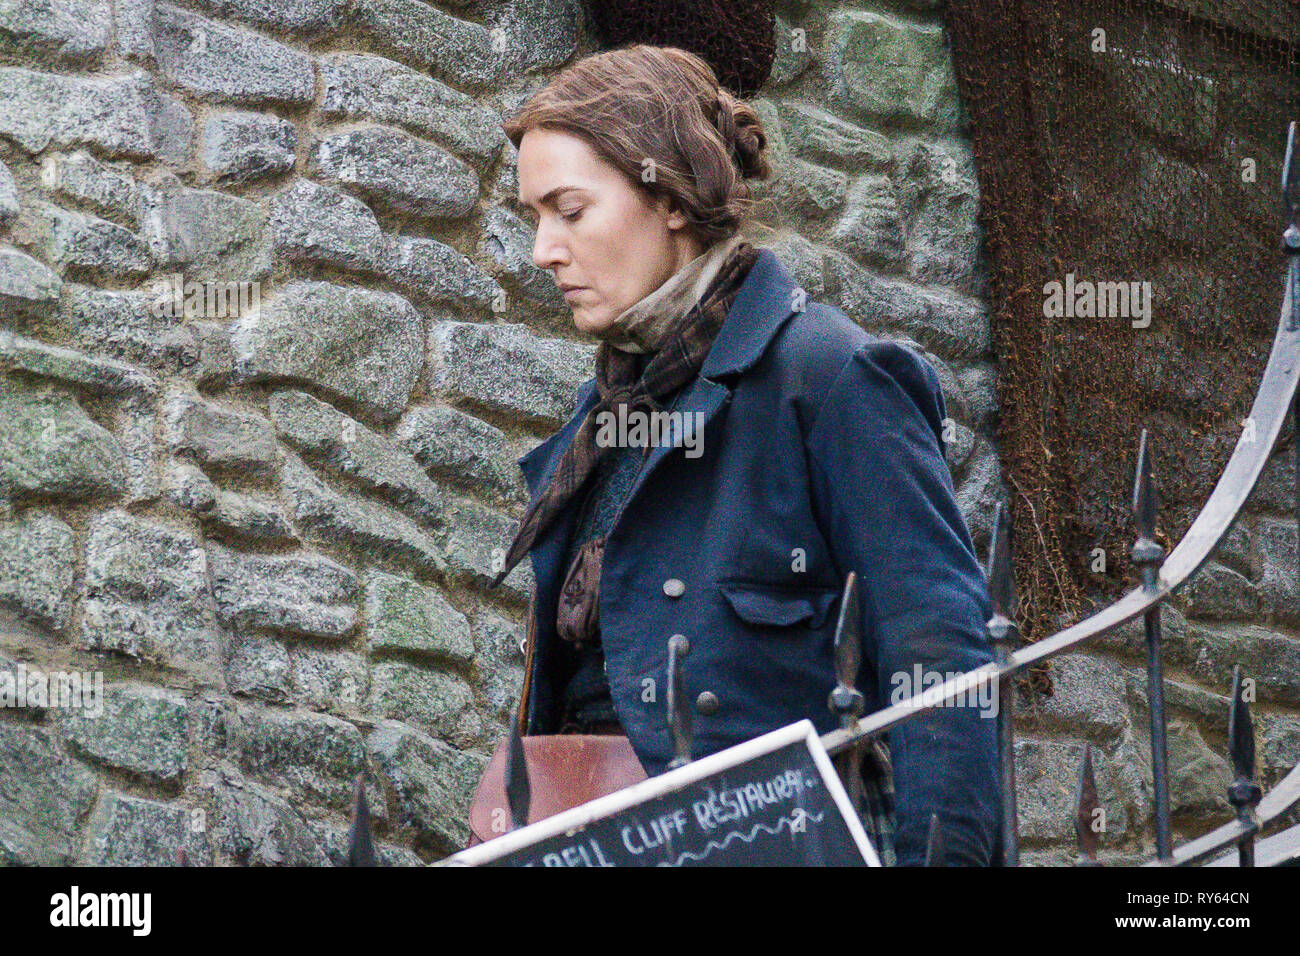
[{"x": 554, "y": 192}]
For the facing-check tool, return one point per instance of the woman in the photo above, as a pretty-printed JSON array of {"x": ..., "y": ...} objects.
[{"x": 806, "y": 449}]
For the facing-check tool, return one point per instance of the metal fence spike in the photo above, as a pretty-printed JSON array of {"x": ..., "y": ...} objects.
[
  {"x": 361, "y": 844},
  {"x": 1290, "y": 189},
  {"x": 935, "y": 847},
  {"x": 1147, "y": 556},
  {"x": 1243, "y": 793},
  {"x": 519, "y": 789},
  {"x": 999, "y": 563},
  {"x": 846, "y": 701},
  {"x": 1241, "y": 732},
  {"x": 1001, "y": 630},
  {"x": 1144, "y": 492},
  {"x": 848, "y": 642},
  {"x": 1086, "y": 805},
  {"x": 679, "y": 714}
]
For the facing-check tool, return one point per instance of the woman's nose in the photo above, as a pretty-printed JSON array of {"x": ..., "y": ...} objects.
[{"x": 548, "y": 250}]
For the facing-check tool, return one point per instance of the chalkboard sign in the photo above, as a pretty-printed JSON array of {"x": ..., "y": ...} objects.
[{"x": 775, "y": 800}]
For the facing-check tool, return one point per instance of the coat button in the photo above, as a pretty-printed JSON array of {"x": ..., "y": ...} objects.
[
  {"x": 707, "y": 703},
  {"x": 674, "y": 588}
]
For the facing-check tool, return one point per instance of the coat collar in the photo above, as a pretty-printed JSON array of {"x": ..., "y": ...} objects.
[{"x": 765, "y": 300}]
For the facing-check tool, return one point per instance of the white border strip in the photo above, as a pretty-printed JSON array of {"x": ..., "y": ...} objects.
[{"x": 581, "y": 816}]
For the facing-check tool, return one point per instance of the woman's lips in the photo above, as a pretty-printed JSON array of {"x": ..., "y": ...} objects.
[{"x": 568, "y": 296}]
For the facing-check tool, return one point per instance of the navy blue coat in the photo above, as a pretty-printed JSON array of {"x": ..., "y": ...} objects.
[{"x": 822, "y": 454}]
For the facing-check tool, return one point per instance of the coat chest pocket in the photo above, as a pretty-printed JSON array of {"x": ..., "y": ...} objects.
[{"x": 764, "y": 605}]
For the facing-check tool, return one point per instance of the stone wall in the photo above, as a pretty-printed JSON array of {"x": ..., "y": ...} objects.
[{"x": 270, "y": 529}]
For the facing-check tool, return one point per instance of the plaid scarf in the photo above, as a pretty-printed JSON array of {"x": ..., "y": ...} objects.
[{"x": 674, "y": 364}]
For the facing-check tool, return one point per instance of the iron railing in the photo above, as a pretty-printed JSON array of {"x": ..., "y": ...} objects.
[{"x": 1160, "y": 577}]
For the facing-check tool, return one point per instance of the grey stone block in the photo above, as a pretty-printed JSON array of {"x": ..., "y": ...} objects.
[
  {"x": 823, "y": 137},
  {"x": 133, "y": 20},
  {"x": 950, "y": 324},
  {"x": 461, "y": 448},
  {"x": 423, "y": 36},
  {"x": 44, "y": 801},
  {"x": 891, "y": 70},
  {"x": 226, "y": 64},
  {"x": 315, "y": 756},
  {"x": 435, "y": 271},
  {"x": 56, "y": 362},
  {"x": 439, "y": 703},
  {"x": 433, "y": 782},
  {"x": 60, "y": 31},
  {"x": 807, "y": 193},
  {"x": 509, "y": 369},
  {"x": 306, "y": 594},
  {"x": 394, "y": 169},
  {"x": 938, "y": 194},
  {"x": 211, "y": 235},
  {"x": 329, "y": 518},
  {"x": 240, "y": 147},
  {"x": 130, "y": 326},
  {"x": 240, "y": 514},
  {"x": 365, "y": 347},
  {"x": 1047, "y": 772},
  {"x": 509, "y": 240},
  {"x": 52, "y": 361},
  {"x": 26, "y": 286},
  {"x": 37, "y": 562},
  {"x": 1219, "y": 593},
  {"x": 326, "y": 435},
  {"x": 122, "y": 115},
  {"x": 871, "y": 229},
  {"x": 108, "y": 190},
  {"x": 9, "y": 206},
  {"x": 336, "y": 681},
  {"x": 85, "y": 244},
  {"x": 371, "y": 87},
  {"x": 146, "y": 594},
  {"x": 477, "y": 546},
  {"x": 258, "y": 666},
  {"x": 498, "y": 670},
  {"x": 49, "y": 446},
  {"x": 1269, "y": 658},
  {"x": 130, "y": 831},
  {"x": 405, "y": 616},
  {"x": 142, "y": 730},
  {"x": 792, "y": 52},
  {"x": 219, "y": 438},
  {"x": 1087, "y": 697},
  {"x": 304, "y": 17},
  {"x": 253, "y": 826},
  {"x": 313, "y": 223},
  {"x": 333, "y": 841}
]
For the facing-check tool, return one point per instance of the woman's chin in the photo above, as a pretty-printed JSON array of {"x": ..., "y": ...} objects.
[{"x": 587, "y": 323}]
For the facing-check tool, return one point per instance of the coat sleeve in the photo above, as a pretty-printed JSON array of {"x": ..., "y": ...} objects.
[{"x": 883, "y": 495}]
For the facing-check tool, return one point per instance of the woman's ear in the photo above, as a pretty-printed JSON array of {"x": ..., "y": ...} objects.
[{"x": 676, "y": 218}]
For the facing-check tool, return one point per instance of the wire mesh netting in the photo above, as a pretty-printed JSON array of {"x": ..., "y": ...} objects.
[
  {"x": 1129, "y": 154},
  {"x": 735, "y": 37}
]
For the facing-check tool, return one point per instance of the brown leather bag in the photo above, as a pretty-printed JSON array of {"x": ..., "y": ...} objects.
[{"x": 564, "y": 770}]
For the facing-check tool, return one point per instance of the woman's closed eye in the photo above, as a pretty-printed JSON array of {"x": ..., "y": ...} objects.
[{"x": 571, "y": 216}]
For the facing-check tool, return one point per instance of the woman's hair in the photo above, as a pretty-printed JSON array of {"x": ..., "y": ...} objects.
[{"x": 658, "y": 115}]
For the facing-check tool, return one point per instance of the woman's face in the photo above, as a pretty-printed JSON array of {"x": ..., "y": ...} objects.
[{"x": 596, "y": 231}]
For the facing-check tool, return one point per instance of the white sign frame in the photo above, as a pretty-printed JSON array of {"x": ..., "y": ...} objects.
[{"x": 576, "y": 818}]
